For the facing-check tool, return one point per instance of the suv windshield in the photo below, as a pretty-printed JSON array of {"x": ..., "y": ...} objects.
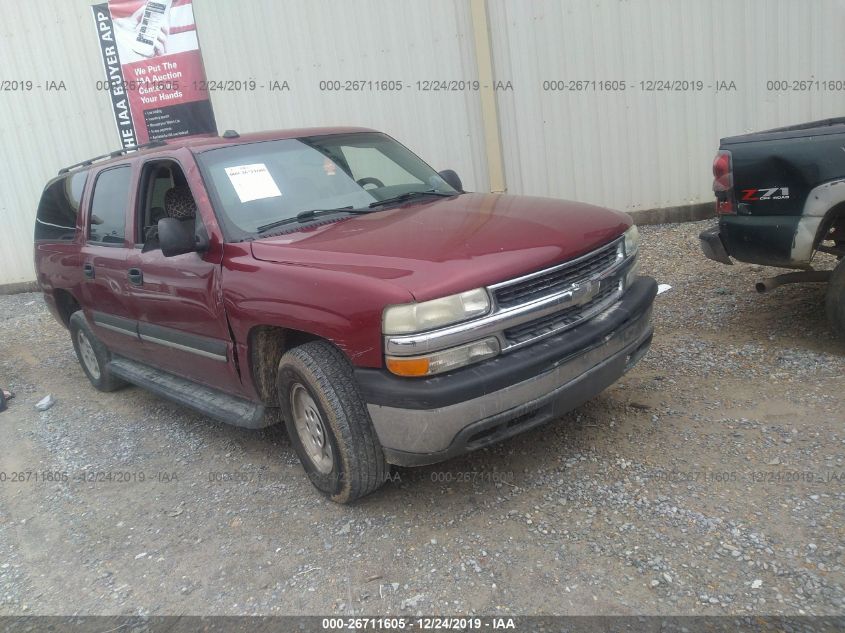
[{"x": 259, "y": 185}]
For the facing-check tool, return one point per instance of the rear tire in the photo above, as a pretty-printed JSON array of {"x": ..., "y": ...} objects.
[
  {"x": 328, "y": 422},
  {"x": 92, "y": 355},
  {"x": 835, "y": 301}
]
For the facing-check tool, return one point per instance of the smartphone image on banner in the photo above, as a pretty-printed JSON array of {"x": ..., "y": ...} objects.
[{"x": 152, "y": 21}]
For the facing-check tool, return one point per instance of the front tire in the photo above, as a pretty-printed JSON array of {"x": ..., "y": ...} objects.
[
  {"x": 328, "y": 422},
  {"x": 92, "y": 355}
]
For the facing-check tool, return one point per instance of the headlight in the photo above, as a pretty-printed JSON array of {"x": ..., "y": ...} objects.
[
  {"x": 632, "y": 241},
  {"x": 445, "y": 360},
  {"x": 428, "y": 315}
]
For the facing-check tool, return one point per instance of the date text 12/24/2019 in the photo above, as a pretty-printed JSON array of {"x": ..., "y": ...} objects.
[{"x": 401, "y": 623}]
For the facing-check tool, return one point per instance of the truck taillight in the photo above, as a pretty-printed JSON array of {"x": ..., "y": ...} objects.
[
  {"x": 723, "y": 182},
  {"x": 723, "y": 178}
]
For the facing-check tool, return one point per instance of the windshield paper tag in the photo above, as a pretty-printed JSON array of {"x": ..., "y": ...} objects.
[{"x": 253, "y": 182}]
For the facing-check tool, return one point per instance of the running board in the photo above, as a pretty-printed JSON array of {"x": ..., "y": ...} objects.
[{"x": 206, "y": 400}]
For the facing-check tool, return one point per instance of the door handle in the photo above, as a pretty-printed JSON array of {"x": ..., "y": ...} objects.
[
  {"x": 136, "y": 277},
  {"x": 88, "y": 271}
]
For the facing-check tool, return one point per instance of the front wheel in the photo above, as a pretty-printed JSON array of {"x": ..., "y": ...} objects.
[{"x": 328, "y": 422}]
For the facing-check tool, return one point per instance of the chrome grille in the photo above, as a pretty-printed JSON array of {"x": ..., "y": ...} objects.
[
  {"x": 534, "y": 306},
  {"x": 563, "y": 319},
  {"x": 558, "y": 279}
]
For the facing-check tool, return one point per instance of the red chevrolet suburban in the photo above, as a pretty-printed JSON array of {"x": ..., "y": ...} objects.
[{"x": 332, "y": 279}]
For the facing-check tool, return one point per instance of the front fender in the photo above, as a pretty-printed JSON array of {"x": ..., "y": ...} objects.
[{"x": 341, "y": 307}]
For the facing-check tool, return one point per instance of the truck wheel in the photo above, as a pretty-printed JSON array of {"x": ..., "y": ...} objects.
[
  {"x": 836, "y": 299},
  {"x": 92, "y": 354},
  {"x": 328, "y": 422}
]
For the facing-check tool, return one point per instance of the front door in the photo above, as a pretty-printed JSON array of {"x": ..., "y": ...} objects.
[{"x": 177, "y": 301}]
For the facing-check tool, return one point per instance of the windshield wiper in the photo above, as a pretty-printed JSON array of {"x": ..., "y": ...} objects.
[
  {"x": 305, "y": 216},
  {"x": 409, "y": 195}
]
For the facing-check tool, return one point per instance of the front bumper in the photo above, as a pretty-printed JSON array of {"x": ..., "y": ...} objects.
[
  {"x": 424, "y": 421},
  {"x": 713, "y": 247}
]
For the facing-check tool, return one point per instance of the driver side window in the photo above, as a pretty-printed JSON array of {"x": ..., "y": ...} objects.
[{"x": 164, "y": 194}]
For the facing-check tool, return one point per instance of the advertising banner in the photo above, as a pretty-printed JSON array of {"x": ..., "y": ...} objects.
[{"x": 154, "y": 70}]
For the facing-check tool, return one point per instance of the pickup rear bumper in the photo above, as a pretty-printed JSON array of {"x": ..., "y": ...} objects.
[
  {"x": 429, "y": 420},
  {"x": 713, "y": 247}
]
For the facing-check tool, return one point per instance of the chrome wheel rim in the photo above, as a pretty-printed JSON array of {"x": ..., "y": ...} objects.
[
  {"x": 311, "y": 429},
  {"x": 89, "y": 358}
]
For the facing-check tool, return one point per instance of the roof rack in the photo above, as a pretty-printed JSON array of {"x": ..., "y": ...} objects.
[{"x": 120, "y": 152}]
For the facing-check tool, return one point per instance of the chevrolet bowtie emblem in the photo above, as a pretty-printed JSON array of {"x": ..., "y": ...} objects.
[{"x": 583, "y": 292}]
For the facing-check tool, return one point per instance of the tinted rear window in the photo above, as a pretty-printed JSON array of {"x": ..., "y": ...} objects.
[
  {"x": 107, "y": 223},
  {"x": 59, "y": 206}
]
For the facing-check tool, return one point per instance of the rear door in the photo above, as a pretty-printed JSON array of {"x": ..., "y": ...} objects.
[{"x": 104, "y": 262}]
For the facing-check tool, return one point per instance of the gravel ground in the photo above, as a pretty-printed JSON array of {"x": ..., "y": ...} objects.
[{"x": 711, "y": 480}]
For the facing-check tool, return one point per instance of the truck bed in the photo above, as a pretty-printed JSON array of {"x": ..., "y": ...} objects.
[{"x": 813, "y": 128}]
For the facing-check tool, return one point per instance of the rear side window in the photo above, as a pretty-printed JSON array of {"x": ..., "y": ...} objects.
[
  {"x": 59, "y": 207},
  {"x": 107, "y": 223}
]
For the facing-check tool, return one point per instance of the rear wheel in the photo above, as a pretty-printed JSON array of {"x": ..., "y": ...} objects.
[
  {"x": 836, "y": 299},
  {"x": 328, "y": 422},
  {"x": 93, "y": 356}
]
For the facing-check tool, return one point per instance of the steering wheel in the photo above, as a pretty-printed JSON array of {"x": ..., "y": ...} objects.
[{"x": 370, "y": 181}]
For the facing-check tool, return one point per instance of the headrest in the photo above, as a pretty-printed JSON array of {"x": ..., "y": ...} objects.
[{"x": 179, "y": 203}]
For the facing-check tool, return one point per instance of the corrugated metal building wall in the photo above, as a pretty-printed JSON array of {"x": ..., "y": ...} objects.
[
  {"x": 628, "y": 149},
  {"x": 640, "y": 149}
]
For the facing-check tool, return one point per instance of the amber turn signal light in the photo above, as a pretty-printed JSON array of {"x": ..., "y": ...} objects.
[{"x": 408, "y": 366}]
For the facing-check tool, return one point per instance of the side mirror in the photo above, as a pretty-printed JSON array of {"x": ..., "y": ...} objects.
[
  {"x": 178, "y": 238},
  {"x": 452, "y": 179}
]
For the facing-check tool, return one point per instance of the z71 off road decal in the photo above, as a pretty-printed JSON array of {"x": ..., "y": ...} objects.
[{"x": 773, "y": 193}]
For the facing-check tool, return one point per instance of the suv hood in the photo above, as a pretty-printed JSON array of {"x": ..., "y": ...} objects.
[{"x": 447, "y": 245}]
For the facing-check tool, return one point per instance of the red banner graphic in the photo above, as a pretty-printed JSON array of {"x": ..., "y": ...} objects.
[{"x": 163, "y": 77}]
